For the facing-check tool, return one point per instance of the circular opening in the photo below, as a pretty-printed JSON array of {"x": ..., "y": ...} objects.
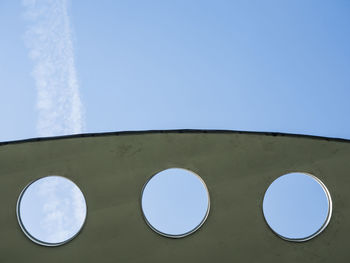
[
  {"x": 297, "y": 206},
  {"x": 175, "y": 202},
  {"x": 51, "y": 210}
]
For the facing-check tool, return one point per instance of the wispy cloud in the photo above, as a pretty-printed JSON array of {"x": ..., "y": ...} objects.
[
  {"x": 49, "y": 40},
  {"x": 62, "y": 209}
]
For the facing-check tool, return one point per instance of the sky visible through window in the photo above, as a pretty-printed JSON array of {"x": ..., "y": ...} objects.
[
  {"x": 52, "y": 210},
  {"x": 296, "y": 206},
  {"x": 74, "y": 67},
  {"x": 175, "y": 202}
]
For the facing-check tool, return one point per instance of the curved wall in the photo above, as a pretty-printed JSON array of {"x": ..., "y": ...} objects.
[{"x": 237, "y": 168}]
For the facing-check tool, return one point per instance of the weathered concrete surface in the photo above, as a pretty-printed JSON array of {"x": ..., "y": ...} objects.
[{"x": 237, "y": 168}]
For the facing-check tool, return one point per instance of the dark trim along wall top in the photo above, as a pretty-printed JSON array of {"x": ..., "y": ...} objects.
[{"x": 195, "y": 131}]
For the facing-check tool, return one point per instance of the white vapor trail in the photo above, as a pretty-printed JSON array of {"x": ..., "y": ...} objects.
[{"x": 49, "y": 40}]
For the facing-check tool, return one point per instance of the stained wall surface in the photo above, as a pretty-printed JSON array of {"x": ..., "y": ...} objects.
[{"x": 237, "y": 168}]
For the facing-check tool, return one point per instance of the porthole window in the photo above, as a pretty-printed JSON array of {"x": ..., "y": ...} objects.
[
  {"x": 297, "y": 206},
  {"x": 175, "y": 202},
  {"x": 51, "y": 210}
]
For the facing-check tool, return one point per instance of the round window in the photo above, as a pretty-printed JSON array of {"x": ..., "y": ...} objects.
[
  {"x": 297, "y": 206},
  {"x": 51, "y": 210},
  {"x": 175, "y": 202}
]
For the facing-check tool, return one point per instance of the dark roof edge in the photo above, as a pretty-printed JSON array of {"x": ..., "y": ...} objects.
[{"x": 83, "y": 135}]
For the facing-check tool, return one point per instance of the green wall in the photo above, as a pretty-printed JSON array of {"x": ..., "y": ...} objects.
[{"x": 237, "y": 168}]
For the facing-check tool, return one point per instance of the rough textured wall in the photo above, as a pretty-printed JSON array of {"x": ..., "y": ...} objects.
[{"x": 236, "y": 167}]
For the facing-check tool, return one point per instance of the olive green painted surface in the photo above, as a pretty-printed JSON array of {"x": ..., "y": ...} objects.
[{"x": 237, "y": 168}]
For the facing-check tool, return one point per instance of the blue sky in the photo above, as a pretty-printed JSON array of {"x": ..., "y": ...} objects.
[
  {"x": 52, "y": 209},
  {"x": 243, "y": 65},
  {"x": 296, "y": 206},
  {"x": 175, "y": 202}
]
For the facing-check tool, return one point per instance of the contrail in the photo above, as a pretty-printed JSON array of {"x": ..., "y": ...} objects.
[{"x": 49, "y": 41}]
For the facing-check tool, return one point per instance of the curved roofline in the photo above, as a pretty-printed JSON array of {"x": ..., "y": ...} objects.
[{"x": 189, "y": 131}]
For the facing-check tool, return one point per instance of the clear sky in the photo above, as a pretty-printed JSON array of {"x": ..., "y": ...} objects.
[
  {"x": 136, "y": 65},
  {"x": 296, "y": 206},
  {"x": 175, "y": 202}
]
